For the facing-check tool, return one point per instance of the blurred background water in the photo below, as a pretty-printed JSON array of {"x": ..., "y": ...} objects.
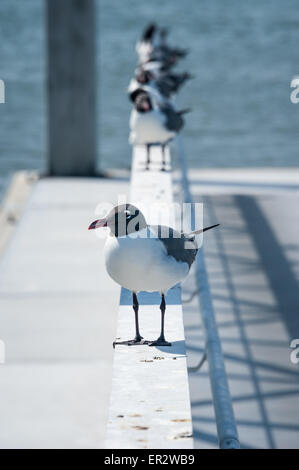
[{"x": 244, "y": 55}]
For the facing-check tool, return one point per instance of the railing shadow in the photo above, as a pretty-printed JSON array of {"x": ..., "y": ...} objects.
[{"x": 248, "y": 311}]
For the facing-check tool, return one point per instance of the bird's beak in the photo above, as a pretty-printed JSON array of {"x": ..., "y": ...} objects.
[{"x": 98, "y": 223}]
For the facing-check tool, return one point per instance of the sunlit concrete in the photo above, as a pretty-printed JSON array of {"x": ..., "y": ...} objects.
[
  {"x": 252, "y": 262},
  {"x": 58, "y": 319}
]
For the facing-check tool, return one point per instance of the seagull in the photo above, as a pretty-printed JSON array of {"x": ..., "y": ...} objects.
[
  {"x": 152, "y": 47},
  {"x": 166, "y": 85},
  {"x": 146, "y": 78},
  {"x": 152, "y": 38},
  {"x": 142, "y": 257},
  {"x": 155, "y": 67},
  {"x": 171, "y": 83},
  {"x": 151, "y": 88},
  {"x": 152, "y": 124},
  {"x": 166, "y": 54}
]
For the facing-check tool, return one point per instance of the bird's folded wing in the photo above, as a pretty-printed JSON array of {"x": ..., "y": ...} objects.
[
  {"x": 182, "y": 247},
  {"x": 174, "y": 122}
]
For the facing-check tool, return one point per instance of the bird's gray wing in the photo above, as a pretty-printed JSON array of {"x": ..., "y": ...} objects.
[
  {"x": 164, "y": 87},
  {"x": 170, "y": 84},
  {"x": 181, "y": 246},
  {"x": 178, "y": 80},
  {"x": 174, "y": 121}
]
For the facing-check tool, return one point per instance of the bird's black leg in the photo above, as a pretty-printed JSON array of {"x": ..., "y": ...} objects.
[
  {"x": 163, "y": 168},
  {"x": 148, "y": 156},
  {"x": 161, "y": 340},
  {"x": 138, "y": 338}
]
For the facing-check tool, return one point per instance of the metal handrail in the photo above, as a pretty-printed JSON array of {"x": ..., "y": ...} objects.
[{"x": 225, "y": 419}]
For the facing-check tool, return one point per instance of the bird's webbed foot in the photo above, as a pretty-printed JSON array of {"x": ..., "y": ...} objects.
[
  {"x": 137, "y": 341},
  {"x": 159, "y": 342}
]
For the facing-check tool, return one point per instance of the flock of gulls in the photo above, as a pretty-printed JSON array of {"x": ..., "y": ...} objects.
[
  {"x": 154, "y": 119},
  {"x": 139, "y": 256}
]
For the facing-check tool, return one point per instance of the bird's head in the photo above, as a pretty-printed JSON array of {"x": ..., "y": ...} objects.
[
  {"x": 144, "y": 76},
  {"x": 122, "y": 220},
  {"x": 143, "y": 103}
]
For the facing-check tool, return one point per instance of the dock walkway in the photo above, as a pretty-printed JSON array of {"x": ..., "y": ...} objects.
[
  {"x": 252, "y": 263},
  {"x": 58, "y": 319},
  {"x": 58, "y": 311}
]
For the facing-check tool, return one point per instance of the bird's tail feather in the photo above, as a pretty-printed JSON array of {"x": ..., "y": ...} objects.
[
  {"x": 197, "y": 232},
  {"x": 189, "y": 76},
  {"x": 148, "y": 32},
  {"x": 184, "y": 111}
]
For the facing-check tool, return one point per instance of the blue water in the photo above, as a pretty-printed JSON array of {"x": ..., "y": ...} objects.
[{"x": 244, "y": 55}]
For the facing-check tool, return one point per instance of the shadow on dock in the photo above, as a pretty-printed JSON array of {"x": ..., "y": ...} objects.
[{"x": 253, "y": 270}]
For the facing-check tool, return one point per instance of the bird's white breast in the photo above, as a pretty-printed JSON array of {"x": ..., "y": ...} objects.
[
  {"x": 133, "y": 85},
  {"x": 149, "y": 128},
  {"x": 144, "y": 49},
  {"x": 142, "y": 264}
]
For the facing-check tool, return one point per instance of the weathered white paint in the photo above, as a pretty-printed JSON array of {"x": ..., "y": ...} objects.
[{"x": 150, "y": 403}]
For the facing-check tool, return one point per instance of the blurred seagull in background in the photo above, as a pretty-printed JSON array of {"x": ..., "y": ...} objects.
[
  {"x": 150, "y": 39},
  {"x": 167, "y": 84},
  {"x": 142, "y": 257},
  {"x": 152, "y": 47},
  {"x": 168, "y": 56},
  {"x": 135, "y": 88},
  {"x": 151, "y": 124}
]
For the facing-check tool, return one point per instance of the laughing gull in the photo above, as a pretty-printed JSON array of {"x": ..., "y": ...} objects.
[
  {"x": 155, "y": 67},
  {"x": 151, "y": 88},
  {"x": 153, "y": 37},
  {"x": 142, "y": 257},
  {"x": 152, "y": 47},
  {"x": 167, "y": 57},
  {"x": 151, "y": 124},
  {"x": 150, "y": 40},
  {"x": 166, "y": 54},
  {"x": 167, "y": 84}
]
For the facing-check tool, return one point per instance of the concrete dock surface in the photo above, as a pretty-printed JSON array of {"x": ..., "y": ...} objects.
[
  {"x": 253, "y": 267},
  {"x": 58, "y": 318},
  {"x": 58, "y": 311}
]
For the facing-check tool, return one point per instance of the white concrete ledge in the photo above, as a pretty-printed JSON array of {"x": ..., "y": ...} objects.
[{"x": 150, "y": 403}]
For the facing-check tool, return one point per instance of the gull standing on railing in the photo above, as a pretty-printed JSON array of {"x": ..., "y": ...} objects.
[
  {"x": 142, "y": 257},
  {"x": 152, "y": 47},
  {"x": 167, "y": 85},
  {"x": 151, "y": 124}
]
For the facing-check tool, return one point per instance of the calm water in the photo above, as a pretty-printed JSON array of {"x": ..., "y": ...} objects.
[{"x": 244, "y": 55}]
